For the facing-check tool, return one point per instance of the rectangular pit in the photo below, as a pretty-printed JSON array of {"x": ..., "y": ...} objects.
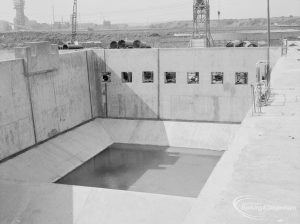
[{"x": 151, "y": 169}]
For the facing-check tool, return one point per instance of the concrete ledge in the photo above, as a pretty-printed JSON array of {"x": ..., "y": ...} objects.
[{"x": 39, "y": 57}]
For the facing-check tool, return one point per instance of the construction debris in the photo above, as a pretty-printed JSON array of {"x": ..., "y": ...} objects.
[
  {"x": 239, "y": 43},
  {"x": 128, "y": 44}
]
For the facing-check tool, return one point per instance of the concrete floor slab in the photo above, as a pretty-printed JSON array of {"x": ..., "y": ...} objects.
[{"x": 30, "y": 203}]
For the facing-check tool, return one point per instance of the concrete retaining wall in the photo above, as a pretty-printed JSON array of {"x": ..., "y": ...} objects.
[
  {"x": 136, "y": 99},
  {"x": 206, "y": 101},
  {"x": 39, "y": 100},
  {"x": 16, "y": 127},
  {"x": 61, "y": 99},
  {"x": 96, "y": 65},
  {"x": 181, "y": 101}
]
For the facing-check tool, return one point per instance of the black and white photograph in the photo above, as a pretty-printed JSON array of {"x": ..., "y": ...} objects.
[{"x": 149, "y": 112}]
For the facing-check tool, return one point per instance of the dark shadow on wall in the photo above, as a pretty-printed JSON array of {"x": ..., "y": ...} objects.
[
  {"x": 121, "y": 99},
  {"x": 116, "y": 98}
]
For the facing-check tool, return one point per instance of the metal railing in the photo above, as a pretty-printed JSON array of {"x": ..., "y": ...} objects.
[
  {"x": 284, "y": 47},
  {"x": 261, "y": 89}
]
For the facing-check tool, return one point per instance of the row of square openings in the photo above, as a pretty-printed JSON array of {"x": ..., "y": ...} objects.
[{"x": 170, "y": 77}]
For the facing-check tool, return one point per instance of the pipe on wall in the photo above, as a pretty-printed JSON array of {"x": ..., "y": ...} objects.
[
  {"x": 125, "y": 44},
  {"x": 140, "y": 44},
  {"x": 113, "y": 45}
]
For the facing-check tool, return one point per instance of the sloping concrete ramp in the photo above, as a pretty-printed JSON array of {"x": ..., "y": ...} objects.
[{"x": 55, "y": 158}]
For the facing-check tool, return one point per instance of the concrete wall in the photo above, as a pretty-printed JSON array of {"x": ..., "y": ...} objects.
[
  {"x": 61, "y": 98},
  {"x": 39, "y": 100},
  {"x": 96, "y": 65},
  {"x": 180, "y": 101},
  {"x": 136, "y": 99},
  {"x": 16, "y": 127},
  {"x": 205, "y": 101}
]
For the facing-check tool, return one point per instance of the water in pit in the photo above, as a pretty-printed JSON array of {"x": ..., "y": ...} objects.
[{"x": 152, "y": 169}]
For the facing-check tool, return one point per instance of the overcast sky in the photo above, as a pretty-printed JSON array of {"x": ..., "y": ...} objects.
[{"x": 145, "y": 11}]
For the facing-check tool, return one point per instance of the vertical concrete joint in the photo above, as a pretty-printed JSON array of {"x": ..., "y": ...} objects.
[{"x": 89, "y": 82}]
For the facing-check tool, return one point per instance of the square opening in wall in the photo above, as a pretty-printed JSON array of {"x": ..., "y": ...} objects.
[
  {"x": 106, "y": 77},
  {"x": 148, "y": 77},
  {"x": 241, "y": 78},
  {"x": 217, "y": 77},
  {"x": 170, "y": 77},
  {"x": 126, "y": 77},
  {"x": 193, "y": 77}
]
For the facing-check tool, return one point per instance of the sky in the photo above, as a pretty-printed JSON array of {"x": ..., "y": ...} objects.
[{"x": 145, "y": 11}]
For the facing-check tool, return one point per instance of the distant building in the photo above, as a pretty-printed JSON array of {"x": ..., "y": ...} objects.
[
  {"x": 106, "y": 24},
  {"x": 5, "y": 26},
  {"x": 20, "y": 19},
  {"x": 120, "y": 26}
]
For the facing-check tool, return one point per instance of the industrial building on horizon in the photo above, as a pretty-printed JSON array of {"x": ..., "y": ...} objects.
[{"x": 20, "y": 19}]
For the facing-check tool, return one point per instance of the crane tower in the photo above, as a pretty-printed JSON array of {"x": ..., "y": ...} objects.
[
  {"x": 19, "y": 20},
  {"x": 201, "y": 21},
  {"x": 74, "y": 22}
]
